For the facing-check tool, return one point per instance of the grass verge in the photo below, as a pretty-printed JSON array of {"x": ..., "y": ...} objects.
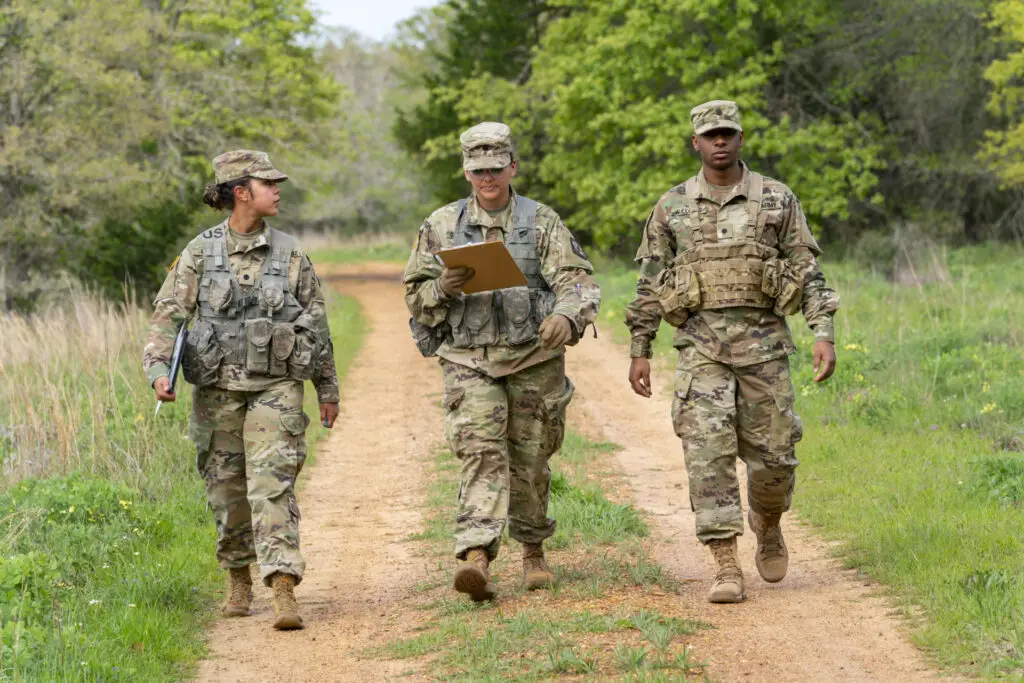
[
  {"x": 107, "y": 570},
  {"x": 614, "y": 612},
  {"x": 391, "y": 248},
  {"x": 912, "y": 453}
]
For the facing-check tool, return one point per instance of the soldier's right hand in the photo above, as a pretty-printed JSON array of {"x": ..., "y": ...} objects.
[
  {"x": 640, "y": 376},
  {"x": 162, "y": 387},
  {"x": 454, "y": 279}
]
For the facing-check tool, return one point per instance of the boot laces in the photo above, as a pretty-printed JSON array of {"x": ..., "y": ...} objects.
[
  {"x": 771, "y": 540},
  {"x": 728, "y": 568},
  {"x": 240, "y": 589},
  {"x": 534, "y": 563}
]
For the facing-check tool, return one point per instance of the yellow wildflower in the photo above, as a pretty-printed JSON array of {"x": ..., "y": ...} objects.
[{"x": 989, "y": 407}]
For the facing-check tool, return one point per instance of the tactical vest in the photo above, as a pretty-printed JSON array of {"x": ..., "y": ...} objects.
[
  {"x": 710, "y": 275},
  {"x": 263, "y": 329},
  {"x": 509, "y": 316}
]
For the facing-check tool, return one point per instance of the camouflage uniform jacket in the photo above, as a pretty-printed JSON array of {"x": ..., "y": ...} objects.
[
  {"x": 564, "y": 267},
  {"x": 177, "y": 299},
  {"x": 738, "y": 336}
]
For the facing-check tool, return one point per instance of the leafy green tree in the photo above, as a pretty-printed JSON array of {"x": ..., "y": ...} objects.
[
  {"x": 110, "y": 113},
  {"x": 467, "y": 41},
  {"x": 1004, "y": 149},
  {"x": 620, "y": 78}
]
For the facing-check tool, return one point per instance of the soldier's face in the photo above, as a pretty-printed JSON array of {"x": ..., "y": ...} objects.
[
  {"x": 265, "y": 196},
  {"x": 719, "y": 148},
  {"x": 491, "y": 185}
]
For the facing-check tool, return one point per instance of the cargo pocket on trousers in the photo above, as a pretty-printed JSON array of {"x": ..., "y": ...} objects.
[
  {"x": 786, "y": 428},
  {"x": 202, "y": 437},
  {"x": 681, "y": 392},
  {"x": 295, "y": 424},
  {"x": 451, "y": 402},
  {"x": 555, "y": 404}
]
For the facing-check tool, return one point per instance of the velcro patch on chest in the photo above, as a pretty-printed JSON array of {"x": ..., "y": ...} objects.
[{"x": 732, "y": 223}]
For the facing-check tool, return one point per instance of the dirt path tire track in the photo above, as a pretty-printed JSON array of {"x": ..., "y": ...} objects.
[
  {"x": 359, "y": 503},
  {"x": 821, "y": 623}
]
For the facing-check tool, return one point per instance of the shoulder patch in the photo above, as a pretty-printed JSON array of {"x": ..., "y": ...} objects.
[
  {"x": 577, "y": 249},
  {"x": 174, "y": 263}
]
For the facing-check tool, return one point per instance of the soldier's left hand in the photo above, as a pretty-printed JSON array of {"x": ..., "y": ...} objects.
[
  {"x": 824, "y": 360},
  {"x": 555, "y": 331},
  {"x": 328, "y": 414}
]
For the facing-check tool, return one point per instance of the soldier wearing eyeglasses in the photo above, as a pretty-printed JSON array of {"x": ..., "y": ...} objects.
[{"x": 502, "y": 355}]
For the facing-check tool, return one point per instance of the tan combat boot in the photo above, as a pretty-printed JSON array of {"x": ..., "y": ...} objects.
[
  {"x": 239, "y": 592},
  {"x": 286, "y": 608},
  {"x": 771, "y": 558},
  {"x": 473, "y": 578},
  {"x": 728, "y": 585},
  {"x": 536, "y": 573}
]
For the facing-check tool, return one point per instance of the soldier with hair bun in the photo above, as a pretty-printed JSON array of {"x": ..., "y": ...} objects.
[{"x": 259, "y": 331}]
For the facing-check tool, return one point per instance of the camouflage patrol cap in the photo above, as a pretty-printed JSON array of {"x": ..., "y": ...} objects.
[
  {"x": 715, "y": 114},
  {"x": 486, "y": 145},
  {"x": 242, "y": 163}
]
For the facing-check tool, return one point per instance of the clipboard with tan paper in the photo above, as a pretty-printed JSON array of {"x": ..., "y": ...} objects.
[{"x": 493, "y": 266}]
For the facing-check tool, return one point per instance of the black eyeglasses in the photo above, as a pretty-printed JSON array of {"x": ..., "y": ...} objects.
[{"x": 481, "y": 172}]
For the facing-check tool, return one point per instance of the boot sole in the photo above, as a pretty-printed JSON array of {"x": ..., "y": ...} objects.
[
  {"x": 539, "y": 584},
  {"x": 471, "y": 581},
  {"x": 768, "y": 576},
  {"x": 288, "y": 624},
  {"x": 235, "y": 612},
  {"x": 727, "y": 599}
]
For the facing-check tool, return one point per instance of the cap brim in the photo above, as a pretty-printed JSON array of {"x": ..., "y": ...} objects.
[
  {"x": 272, "y": 174},
  {"x": 718, "y": 125},
  {"x": 477, "y": 163}
]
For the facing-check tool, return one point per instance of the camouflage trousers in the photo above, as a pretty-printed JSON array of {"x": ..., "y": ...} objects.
[
  {"x": 250, "y": 448},
  {"x": 503, "y": 431},
  {"x": 723, "y": 412}
]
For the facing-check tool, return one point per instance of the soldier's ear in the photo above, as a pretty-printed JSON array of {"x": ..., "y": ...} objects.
[
  {"x": 242, "y": 192},
  {"x": 693, "y": 141}
]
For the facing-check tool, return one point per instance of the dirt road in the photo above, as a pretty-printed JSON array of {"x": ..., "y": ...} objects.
[{"x": 361, "y": 500}]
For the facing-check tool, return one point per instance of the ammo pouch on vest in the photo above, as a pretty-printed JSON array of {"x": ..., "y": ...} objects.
[
  {"x": 512, "y": 315},
  {"x": 201, "y": 357},
  {"x": 472, "y": 321},
  {"x": 783, "y": 283},
  {"x": 678, "y": 292}
]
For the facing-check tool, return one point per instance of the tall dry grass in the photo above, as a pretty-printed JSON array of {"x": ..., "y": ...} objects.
[{"x": 73, "y": 397}]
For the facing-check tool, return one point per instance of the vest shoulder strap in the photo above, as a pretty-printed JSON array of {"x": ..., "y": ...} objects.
[
  {"x": 690, "y": 190},
  {"x": 755, "y": 192},
  {"x": 526, "y": 213},
  {"x": 282, "y": 246}
]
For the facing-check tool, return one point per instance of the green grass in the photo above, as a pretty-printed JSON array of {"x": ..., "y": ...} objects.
[
  {"x": 107, "y": 567},
  {"x": 603, "y": 571},
  {"x": 911, "y": 455},
  {"x": 392, "y": 251}
]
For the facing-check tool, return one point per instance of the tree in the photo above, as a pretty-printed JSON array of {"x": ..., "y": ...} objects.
[
  {"x": 110, "y": 113},
  {"x": 1004, "y": 149},
  {"x": 468, "y": 41}
]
